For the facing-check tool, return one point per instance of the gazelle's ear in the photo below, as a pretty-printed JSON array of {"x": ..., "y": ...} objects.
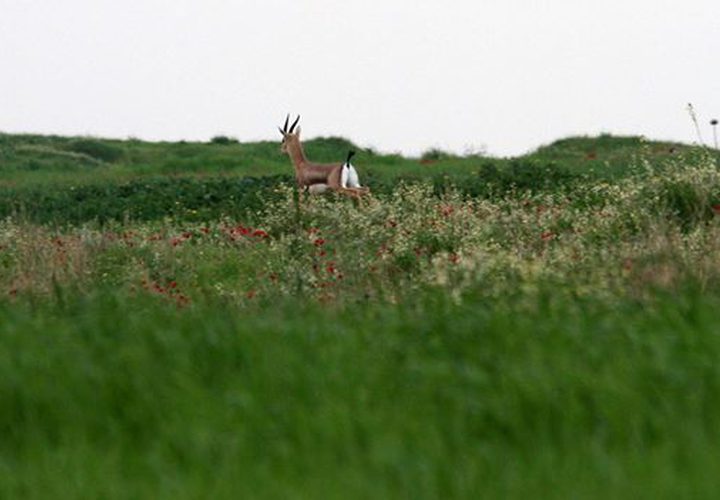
[{"x": 297, "y": 131}]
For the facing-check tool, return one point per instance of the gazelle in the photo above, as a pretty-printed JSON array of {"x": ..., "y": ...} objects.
[{"x": 318, "y": 177}]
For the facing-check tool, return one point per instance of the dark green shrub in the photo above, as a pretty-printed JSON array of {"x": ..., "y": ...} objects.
[
  {"x": 184, "y": 198},
  {"x": 223, "y": 140},
  {"x": 435, "y": 154}
]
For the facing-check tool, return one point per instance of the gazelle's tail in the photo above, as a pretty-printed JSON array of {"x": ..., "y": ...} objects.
[{"x": 348, "y": 175}]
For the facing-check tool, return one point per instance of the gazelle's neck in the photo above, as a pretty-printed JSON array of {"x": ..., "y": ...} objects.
[{"x": 297, "y": 155}]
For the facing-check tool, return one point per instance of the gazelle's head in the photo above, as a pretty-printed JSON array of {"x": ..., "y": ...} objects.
[{"x": 290, "y": 136}]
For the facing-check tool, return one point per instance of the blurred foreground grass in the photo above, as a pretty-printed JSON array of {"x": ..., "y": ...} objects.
[{"x": 112, "y": 397}]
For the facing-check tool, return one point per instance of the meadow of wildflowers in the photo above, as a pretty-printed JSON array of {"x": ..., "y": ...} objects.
[{"x": 552, "y": 342}]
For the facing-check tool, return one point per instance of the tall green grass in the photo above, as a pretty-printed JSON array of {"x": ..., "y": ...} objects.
[{"x": 115, "y": 397}]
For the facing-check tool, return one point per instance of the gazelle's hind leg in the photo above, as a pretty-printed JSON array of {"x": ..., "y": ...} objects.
[
  {"x": 339, "y": 181},
  {"x": 354, "y": 182}
]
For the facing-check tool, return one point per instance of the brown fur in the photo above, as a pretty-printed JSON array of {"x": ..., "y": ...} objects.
[{"x": 308, "y": 173}]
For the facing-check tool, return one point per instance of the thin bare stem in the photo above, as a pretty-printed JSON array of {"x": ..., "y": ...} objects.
[{"x": 693, "y": 117}]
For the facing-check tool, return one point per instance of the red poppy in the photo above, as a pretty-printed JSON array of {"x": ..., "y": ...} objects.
[
  {"x": 239, "y": 230},
  {"x": 259, "y": 233},
  {"x": 319, "y": 242}
]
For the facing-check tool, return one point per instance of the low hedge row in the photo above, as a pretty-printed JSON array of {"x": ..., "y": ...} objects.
[
  {"x": 201, "y": 198},
  {"x": 188, "y": 198}
]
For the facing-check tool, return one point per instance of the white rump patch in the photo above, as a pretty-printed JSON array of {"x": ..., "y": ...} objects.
[
  {"x": 349, "y": 177},
  {"x": 344, "y": 173},
  {"x": 353, "y": 180}
]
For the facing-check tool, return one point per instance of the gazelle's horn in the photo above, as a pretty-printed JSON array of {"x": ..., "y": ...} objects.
[
  {"x": 287, "y": 120},
  {"x": 292, "y": 127}
]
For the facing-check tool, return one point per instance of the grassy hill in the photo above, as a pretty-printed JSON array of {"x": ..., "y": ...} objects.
[
  {"x": 32, "y": 158},
  {"x": 77, "y": 179},
  {"x": 28, "y": 158}
]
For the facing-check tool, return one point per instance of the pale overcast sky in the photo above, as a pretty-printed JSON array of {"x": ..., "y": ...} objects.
[{"x": 397, "y": 75}]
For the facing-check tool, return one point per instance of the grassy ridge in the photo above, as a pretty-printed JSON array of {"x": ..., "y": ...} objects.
[
  {"x": 49, "y": 179},
  {"x": 30, "y": 158}
]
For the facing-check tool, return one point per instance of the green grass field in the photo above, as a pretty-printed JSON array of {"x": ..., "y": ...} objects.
[{"x": 175, "y": 323}]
